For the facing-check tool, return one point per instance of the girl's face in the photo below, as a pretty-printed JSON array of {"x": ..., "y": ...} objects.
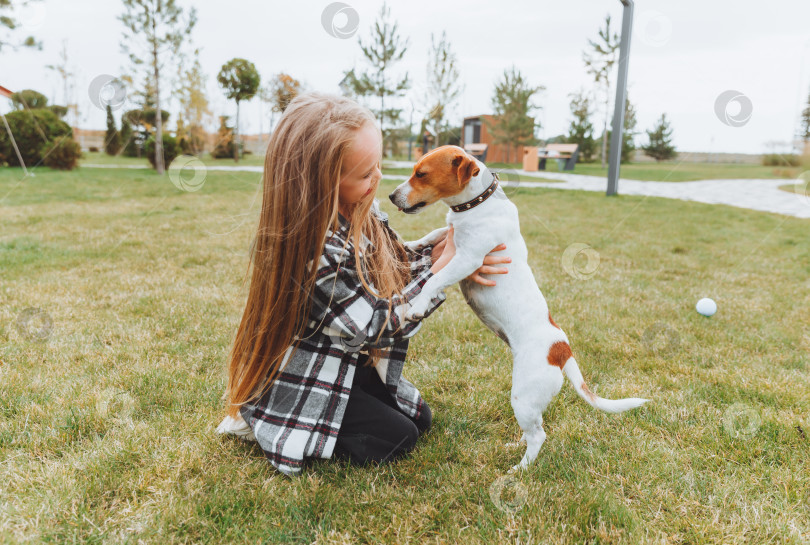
[{"x": 361, "y": 166}]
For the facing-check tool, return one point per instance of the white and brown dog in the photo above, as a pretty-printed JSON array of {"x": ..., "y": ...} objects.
[{"x": 515, "y": 309}]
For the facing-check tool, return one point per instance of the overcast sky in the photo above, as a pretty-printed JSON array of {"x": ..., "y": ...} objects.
[{"x": 683, "y": 56}]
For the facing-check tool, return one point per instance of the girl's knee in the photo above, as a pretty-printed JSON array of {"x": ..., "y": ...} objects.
[
  {"x": 410, "y": 434},
  {"x": 425, "y": 419},
  {"x": 406, "y": 442},
  {"x": 365, "y": 448}
]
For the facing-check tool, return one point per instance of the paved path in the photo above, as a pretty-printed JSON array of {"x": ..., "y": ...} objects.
[{"x": 762, "y": 195}]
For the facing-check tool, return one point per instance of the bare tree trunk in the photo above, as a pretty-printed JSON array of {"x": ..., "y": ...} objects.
[
  {"x": 159, "y": 165},
  {"x": 382, "y": 120}
]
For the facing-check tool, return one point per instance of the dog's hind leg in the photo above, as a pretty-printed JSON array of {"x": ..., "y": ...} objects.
[
  {"x": 530, "y": 397},
  {"x": 521, "y": 441},
  {"x": 535, "y": 437}
]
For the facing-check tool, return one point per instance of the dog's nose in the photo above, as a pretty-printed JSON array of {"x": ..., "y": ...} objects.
[{"x": 391, "y": 197}]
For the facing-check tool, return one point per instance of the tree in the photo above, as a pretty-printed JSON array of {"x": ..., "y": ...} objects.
[
  {"x": 112, "y": 139},
  {"x": 8, "y": 24},
  {"x": 599, "y": 64},
  {"x": 146, "y": 117},
  {"x": 194, "y": 109},
  {"x": 133, "y": 133},
  {"x": 660, "y": 147},
  {"x": 223, "y": 148},
  {"x": 60, "y": 111},
  {"x": 130, "y": 146},
  {"x": 629, "y": 134},
  {"x": 280, "y": 91},
  {"x": 28, "y": 99},
  {"x": 240, "y": 80},
  {"x": 443, "y": 86},
  {"x": 804, "y": 130},
  {"x": 581, "y": 129},
  {"x": 382, "y": 53},
  {"x": 66, "y": 75},
  {"x": 36, "y": 131},
  {"x": 512, "y": 107},
  {"x": 143, "y": 121},
  {"x": 170, "y": 148},
  {"x": 153, "y": 28}
]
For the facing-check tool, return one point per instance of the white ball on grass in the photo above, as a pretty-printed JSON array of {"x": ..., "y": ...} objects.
[{"x": 706, "y": 306}]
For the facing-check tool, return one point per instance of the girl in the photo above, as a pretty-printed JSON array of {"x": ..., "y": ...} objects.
[{"x": 316, "y": 364}]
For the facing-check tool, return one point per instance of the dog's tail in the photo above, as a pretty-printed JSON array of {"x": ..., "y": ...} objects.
[{"x": 571, "y": 370}]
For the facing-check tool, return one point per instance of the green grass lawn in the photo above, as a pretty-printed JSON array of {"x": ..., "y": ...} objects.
[
  {"x": 99, "y": 158},
  {"x": 107, "y": 425}
]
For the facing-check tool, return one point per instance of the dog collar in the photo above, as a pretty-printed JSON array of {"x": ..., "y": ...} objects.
[{"x": 480, "y": 198}]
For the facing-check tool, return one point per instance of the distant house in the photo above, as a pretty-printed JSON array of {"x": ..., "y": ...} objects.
[
  {"x": 89, "y": 138},
  {"x": 475, "y": 132}
]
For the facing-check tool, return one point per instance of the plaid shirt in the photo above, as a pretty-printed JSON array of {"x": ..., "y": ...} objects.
[{"x": 300, "y": 415}]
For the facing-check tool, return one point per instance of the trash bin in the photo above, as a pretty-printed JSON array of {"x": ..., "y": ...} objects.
[{"x": 530, "y": 160}]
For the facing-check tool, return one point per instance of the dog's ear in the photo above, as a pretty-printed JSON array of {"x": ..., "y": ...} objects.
[{"x": 467, "y": 168}]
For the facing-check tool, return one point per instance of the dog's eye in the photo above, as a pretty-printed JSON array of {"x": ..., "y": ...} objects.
[{"x": 420, "y": 174}]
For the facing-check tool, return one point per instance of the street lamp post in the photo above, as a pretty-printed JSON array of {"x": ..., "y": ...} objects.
[{"x": 616, "y": 139}]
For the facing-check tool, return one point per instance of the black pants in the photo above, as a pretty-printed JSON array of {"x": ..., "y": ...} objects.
[{"x": 374, "y": 428}]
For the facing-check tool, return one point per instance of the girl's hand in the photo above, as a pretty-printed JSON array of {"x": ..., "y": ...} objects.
[
  {"x": 438, "y": 248},
  {"x": 447, "y": 252},
  {"x": 485, "y": 269}
]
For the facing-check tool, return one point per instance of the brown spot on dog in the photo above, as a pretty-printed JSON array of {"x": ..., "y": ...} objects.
[
  {"x": 588, "y": 392},
  {"x": 550, "y": 319},
  {"x": 559, "y": 353}
]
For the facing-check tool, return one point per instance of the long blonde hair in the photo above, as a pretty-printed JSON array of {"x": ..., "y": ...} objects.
[{"x": 302, "y": 167}]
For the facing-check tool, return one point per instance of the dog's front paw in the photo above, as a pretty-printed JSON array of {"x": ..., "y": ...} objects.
[
  {"x": 431, "y": 239},
  {"x": 515, "y": 468},
  {"x": 414, "y": 245},
  {"x": 417, "y": 310}
]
